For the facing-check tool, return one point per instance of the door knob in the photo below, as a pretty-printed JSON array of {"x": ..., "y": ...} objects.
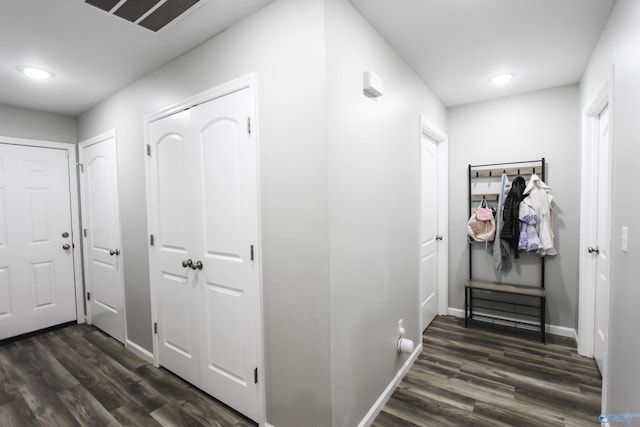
[
  {"x": 197, "y": 265},
  {"x": 439, "y": 237},
  {"x": 187, "y": 263},
  {"x": 115, "y": 252},
  {"x": 66, "y": 246},
  {"x": 595, "y": 250}
]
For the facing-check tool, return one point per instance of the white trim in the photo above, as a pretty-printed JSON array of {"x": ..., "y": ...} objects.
[
  {"x": 142, "y": 353},
  {"x": 429, "y": 129},
  {"x": 75, "y": 210},
  {"x": 587, "y": 265},
  {"x": 373, "y": 412},
  {"x": 244, "y": 82},
  {"x": 248, "y": 81},
  {"x": 562, "y": 331},
  {"x": 81, "y": 145}
]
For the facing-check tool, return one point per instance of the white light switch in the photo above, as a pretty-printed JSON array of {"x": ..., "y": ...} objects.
[{"x": 624, "y": 239}]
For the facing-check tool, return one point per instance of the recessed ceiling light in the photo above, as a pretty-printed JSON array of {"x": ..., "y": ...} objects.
[
  {"x": 35, "y": 73},
  {"x": 501, "y": 79}
]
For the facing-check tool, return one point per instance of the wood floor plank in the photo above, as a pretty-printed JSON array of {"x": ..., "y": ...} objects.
[
  {"x": 45, "y": 405},
  {"x": 386, "y": 419},
  {"x": 114, "y": 349},
  {"x": 17, "y": 413},
  {"x": 171, "y": 415},
  {"x": 166, "y": 383},
  {"x": 207, "y": 410},
  {"x": 8, "y": 379},
  {"x": 128, "y": 384},
  {"x": 132, "y": 415},
  {"x": 81, "y": 366},
  {"x": 86, "y": 408},
  {"x": 36, "y": 361}
]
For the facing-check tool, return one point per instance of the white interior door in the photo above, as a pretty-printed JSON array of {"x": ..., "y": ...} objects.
[
  {"x": 603, "y": 243},
  {"x": 173, "y": 222},
  {"x": 428, "y": 230},
  {"x": 226, "y": 210},
  {"x": 37, "y": 287},
  {"x": 204, "y": 218},
  {"x": 104, "y": 278}
]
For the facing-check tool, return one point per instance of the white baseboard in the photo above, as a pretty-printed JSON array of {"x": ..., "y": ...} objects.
[
  {"x": 139, "y": 351},
  {"x": 562, "y": 331},
  {"x": 386, "y": 394}
]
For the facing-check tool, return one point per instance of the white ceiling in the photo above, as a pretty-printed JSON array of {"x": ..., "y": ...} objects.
[
  {"x": 91, "y": 52},
  {"x": 454, "y": 45},
  {"x": 457, "y": 45}
]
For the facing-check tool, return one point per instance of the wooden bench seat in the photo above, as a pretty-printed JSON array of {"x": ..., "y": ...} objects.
[{"x": 507, "y": 288}]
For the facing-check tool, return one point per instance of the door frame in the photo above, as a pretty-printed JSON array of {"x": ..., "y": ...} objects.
[
  {"x": 442, "y": 139},
  {"x": 74, "y": 208},
  {"x": 249, "y": 82},
  {"x": 602, "y": 97},
  {"x": 85, "y": 255}
]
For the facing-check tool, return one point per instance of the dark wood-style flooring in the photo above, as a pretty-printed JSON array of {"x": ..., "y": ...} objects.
[
  {"x": 78, "y": 376},
  {"x": 487, "y": 377}
]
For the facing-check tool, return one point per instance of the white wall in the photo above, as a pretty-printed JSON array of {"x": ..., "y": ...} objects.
[
  {"x": 517, "y": 128},
  {"x": 19, "y": 122},
  {"x": 373, "y": 209},
  {"x": 339, "y": 198},
  {"x": 619, "y": 45},
  {"x": 284, "y": 44}
]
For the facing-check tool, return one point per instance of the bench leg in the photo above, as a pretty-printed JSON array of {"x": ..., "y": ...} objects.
[
  {"x": 543, "y": 303},
  {"x": 466, "y": 307}
]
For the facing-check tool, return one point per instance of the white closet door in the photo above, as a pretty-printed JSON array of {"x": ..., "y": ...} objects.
[
  {"x": 37, "y": 287},
  {"x": 226, "y": 210},
  {"x": 603, "y": 239},
  {"x": 428, "y": 231},
  {"x": 174, "y": 223},
  {"x": 102, "y": 242}
]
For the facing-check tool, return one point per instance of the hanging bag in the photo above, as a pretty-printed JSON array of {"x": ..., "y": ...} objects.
[{"x": 481, "y": 227}]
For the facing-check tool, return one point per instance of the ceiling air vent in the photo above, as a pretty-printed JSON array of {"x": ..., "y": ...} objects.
[{"x": 150, "y": 14}]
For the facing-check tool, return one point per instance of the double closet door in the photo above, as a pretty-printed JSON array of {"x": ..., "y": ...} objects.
[{"x": 203, "y": 217}]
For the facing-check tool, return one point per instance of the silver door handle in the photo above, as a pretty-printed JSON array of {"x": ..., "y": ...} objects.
[
  {"x": 439, "y": 237},
  {"x": 115, "y": 252},
  {"x": 197, "y": 265},
  {"x": 187, "y": 263},
  {"x": 66, "y": 246},
  {"x": 595, "y": 250}
]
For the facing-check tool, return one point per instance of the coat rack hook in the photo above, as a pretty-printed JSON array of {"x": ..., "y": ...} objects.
[
  {"x": 518, "y": 171},
  {"x": 490, "y": 173},
  {"x": 534, "y": 171},
  {"x": 477, "y": 174}
]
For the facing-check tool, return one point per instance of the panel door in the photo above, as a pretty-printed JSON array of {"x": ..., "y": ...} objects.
[
  {"x": 37, "y": 287},
  {"x": 428, "y": 231},
  {"x": 603, "y": 243},
  {"x": 227, "y": 220},
  {"x": 102, "y": 242},
  {"x": 174, "y": 224}
]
